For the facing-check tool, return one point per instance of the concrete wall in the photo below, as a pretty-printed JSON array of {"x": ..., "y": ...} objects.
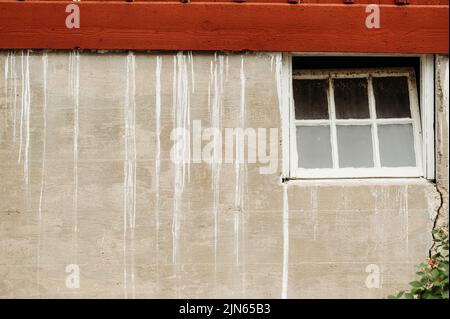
[{"x": 83, "y": 182}]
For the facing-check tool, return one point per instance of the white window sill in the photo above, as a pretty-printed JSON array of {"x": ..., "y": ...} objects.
[{"x": 358, "y": 181}]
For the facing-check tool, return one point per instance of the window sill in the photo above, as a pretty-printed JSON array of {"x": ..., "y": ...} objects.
[{"x": 358, "y": 181}]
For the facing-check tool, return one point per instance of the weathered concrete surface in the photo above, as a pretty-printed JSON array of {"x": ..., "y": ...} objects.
[
  {"x": 442, "y": 99},
  {"x": 223, "y": 233}
]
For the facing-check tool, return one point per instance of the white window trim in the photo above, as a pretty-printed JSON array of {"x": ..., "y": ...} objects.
[
  {"x": 427, "y": 109},
  {"x": 424, "y": 144}
]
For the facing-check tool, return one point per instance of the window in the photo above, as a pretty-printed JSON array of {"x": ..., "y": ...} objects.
[{"x": 355, "y": 123}]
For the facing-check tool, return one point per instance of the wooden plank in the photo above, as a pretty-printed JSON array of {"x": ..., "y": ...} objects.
[
  {"x": 224, "y": 26},
  {"x": 411, "y": 2}
]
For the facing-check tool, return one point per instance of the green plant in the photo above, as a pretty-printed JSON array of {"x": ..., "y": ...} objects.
[{"x": 433, "y": 274}]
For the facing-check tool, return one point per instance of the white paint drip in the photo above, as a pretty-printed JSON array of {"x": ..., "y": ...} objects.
[
  {"x": 27, "y": 119},
  {"x": 181, "y": 120},
  {"x": 236, "y": 237},
  {"x": 22, "y": 102},
  {"x": 14, "y": 74},
  {"x": 314, "y": 208},
  {"x": 238, "y": 165},
  {"x": 403, "y": 210},
  {"x": 158, "y": 152},
  {"x": 25, "y": 115},
  {"x": 240, "y": 168},
  {"x": 7, "y": 63},
  {"x": 191, "y": 62},
  {"x": 130, "y": 143},
  {"x": 130, "y": 161},
  {"x": 7, "y": 72},
  {"x": 216, "y": 114},
  {"x": 70, "y": 73},
  {"x": 44, "y": 137},
  {"x": 75, "y": 93},
  {"x": 158, "y": 139},
  {"x": 227, "y": 68},
  {"x": 282, "y": 91},
  {"x": 285, "y": 274}
]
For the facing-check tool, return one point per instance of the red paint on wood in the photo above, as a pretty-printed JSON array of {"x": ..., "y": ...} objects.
[{"x": 224, "y": 26}]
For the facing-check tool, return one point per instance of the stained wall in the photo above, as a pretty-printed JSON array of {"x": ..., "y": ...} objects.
[{"x": 87, "y": 182}]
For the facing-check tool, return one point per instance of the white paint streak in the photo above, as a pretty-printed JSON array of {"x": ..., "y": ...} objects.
[
  {"x": 25, "y": 116},
  {"x": 181, "y": 120},
  {"x": 236, "y": 237},
  {"x": 216, "y": 114},
  {"x": 271, "y": 63},
  {"x": 240, "y": 168},
  {"x": 75, "y": 93},
  {"x": 14, "y": 74},
  {"x": 43, "y": 168},
  {"x": 285, "y": 274},
  {"x": 227, "y": 67},
  {"x": 7, "y": 72},
  {"x": 314, "y": 209},
  {"x": 22, "y": 102},
  {"x": 403, "y": 210},
  {"x": 158, "y": 139},
  {"x": 283, "y": 105},
  {"x": 129, "y": 214},
  {"x": 7, "y": 63},
  {"x": 191, "y": 62},
  {"x": 44, "y": 137},
  {"x": 240, "y": 157},
  {"x": 27, "y": 119}
]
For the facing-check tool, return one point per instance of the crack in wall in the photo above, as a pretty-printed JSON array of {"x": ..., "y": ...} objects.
[{"x": 436, "y": 218}]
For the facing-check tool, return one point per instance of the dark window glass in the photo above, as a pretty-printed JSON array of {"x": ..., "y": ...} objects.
[
  {"x": 391, "y": 97},
  {"x": 351, "y": 98},
  {"x": 311, "y": 102}
]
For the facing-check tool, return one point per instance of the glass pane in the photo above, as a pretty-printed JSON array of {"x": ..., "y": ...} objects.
[
  {"x": 355, "y": 146},
  {"x": 351, "y": 98},
  {"x": 314, "y": 147},
  {"x": 396, "y": 145},
  {"x": 311, "y": 101},
  {"x": 392, "y": 97}
]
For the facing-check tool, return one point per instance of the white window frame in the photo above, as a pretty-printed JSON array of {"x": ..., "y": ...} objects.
[{"x": 424, "y": 143}]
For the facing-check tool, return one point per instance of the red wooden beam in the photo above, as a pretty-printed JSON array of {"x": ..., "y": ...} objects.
[{"x": 224, "y": 26}]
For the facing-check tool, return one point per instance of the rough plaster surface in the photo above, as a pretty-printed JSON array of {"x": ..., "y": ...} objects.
[
  {"x": 442, "y": 101},
  {"x": 79, "y": 184}
]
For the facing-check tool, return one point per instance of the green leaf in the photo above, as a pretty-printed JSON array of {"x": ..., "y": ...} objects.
[{"x": 435, "y": 273}]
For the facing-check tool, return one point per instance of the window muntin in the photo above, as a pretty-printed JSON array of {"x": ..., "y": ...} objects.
[{"x": 366, "y": 124}]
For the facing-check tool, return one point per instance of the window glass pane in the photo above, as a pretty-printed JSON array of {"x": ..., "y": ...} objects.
[
  {"x": 314, "y": 147},
  {"x": 396, "y": 145},
  {"x": 391, "y": 97},
  {"x": 351, "y": 98},
  {"x": 355, "y": 146},
  {"x": 311, "y": 101}
]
